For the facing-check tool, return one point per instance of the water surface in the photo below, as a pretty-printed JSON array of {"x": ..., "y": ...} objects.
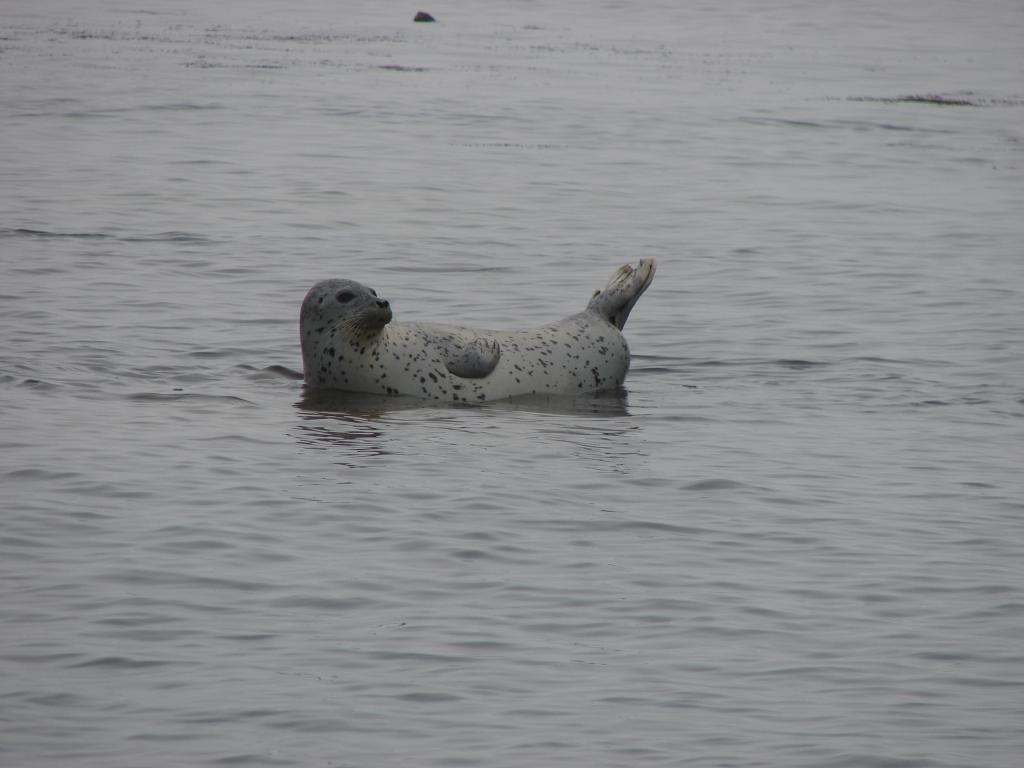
[{"x": 794, "y": 539}]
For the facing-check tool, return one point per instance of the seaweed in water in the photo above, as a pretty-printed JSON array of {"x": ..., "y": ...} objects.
[{"x": 933, "y": 98}]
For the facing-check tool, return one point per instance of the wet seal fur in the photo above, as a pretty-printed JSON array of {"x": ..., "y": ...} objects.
[{"x": 349, "y": 343}]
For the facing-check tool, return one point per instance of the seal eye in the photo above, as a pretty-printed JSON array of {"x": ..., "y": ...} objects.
[{"x": 345, "y": 297}]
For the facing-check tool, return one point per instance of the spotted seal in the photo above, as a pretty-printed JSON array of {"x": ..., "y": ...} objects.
[{"x": 350, "y": 343}]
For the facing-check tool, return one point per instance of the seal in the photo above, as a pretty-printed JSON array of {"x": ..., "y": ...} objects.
[{"x": 349, "y": 342}]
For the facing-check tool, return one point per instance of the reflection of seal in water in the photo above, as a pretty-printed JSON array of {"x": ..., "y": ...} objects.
[{"x": 350, "y": 343}]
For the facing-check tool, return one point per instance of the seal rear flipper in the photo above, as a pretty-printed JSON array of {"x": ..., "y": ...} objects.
[
  {"x": 474, "y": 360},
  {"x": 624, "y": 287}
]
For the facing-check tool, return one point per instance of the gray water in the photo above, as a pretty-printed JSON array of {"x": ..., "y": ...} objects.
[{"x": 795, "y": 539}]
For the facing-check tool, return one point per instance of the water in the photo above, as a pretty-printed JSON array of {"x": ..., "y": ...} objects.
[{"x": 796, "y": 539}]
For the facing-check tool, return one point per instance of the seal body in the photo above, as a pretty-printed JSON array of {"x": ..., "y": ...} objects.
[{"x": 349, "y": 342}]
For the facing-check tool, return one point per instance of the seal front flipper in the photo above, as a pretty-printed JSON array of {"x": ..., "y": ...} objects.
[{"x": 473, "y": 360}]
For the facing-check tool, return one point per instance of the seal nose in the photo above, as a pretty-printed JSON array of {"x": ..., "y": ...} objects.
[{"x": 383, "y": 303}]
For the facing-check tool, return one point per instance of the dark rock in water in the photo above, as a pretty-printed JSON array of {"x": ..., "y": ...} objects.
[{"x": 424, "y": 16}]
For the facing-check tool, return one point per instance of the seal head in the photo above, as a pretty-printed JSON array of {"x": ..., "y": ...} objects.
[{"x": 346, "y": 304}]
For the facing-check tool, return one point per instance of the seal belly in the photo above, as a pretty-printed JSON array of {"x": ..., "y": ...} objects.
[
  {"x": 580, "y": 354},
  {"x": 577, "y": 355}
]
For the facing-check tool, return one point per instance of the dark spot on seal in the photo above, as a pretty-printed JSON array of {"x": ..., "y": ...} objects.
[{"x": 424, "y": 17}]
